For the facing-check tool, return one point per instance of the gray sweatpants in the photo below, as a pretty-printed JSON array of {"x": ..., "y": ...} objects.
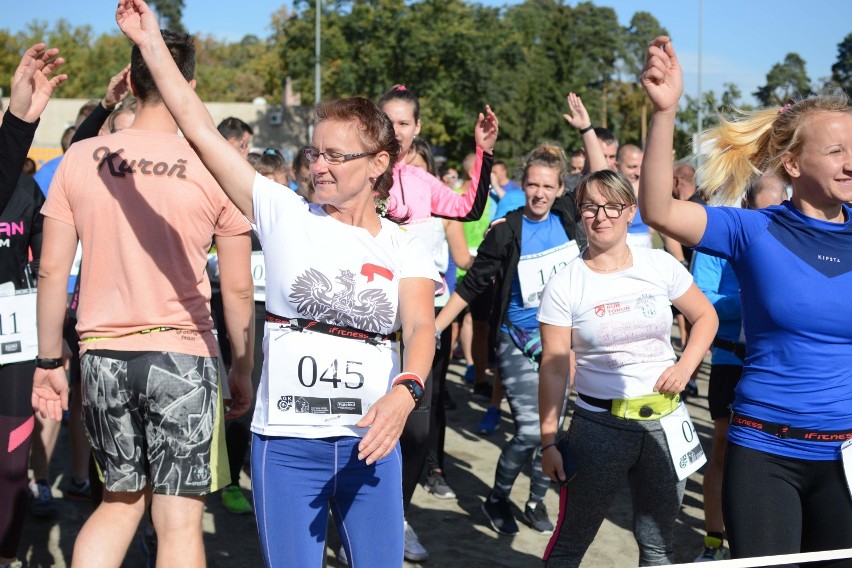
[
  {"x": 521, "y": 384},
  {"x": 607, "y": 450}
]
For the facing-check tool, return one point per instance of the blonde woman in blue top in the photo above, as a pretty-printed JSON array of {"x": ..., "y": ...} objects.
[{"x": 784, "y": 489}]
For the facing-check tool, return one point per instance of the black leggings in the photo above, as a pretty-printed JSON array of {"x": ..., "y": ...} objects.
[
  {"x": 16, "y": 427},
  {"x": 238, "y": 430},
  {"x": 777, "y": 505},
  {"x": 414, "y": 444},
  {"x": 438, "y": 421},
  {"x": 418, "y": 439}
]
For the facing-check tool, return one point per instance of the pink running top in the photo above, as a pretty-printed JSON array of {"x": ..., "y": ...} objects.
[{"x": 419, "y": 195}]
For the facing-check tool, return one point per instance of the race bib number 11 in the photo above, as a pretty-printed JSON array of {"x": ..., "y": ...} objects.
[{"x": 18, "y": 335}]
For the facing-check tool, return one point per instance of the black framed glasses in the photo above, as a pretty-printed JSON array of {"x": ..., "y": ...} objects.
[
  {"x": 611, "y": 210},
  {"x": 335, "y": 158}
]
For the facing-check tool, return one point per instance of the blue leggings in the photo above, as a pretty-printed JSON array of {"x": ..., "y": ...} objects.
[{"x": 295, "y": 481}]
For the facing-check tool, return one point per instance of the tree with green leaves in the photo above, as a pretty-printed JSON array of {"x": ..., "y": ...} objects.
[
  {"x": 785, "y": 81},
  {"x": 630, "y": 105},
  {"x": 712, "y": 108},
  {"x": 170, "y": 13},
  {"x": 456, "y": 55},
  {"x": 841, "y": 71}
]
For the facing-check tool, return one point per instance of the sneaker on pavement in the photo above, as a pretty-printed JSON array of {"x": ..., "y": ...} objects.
[
  {"x": 437, "y": 485},
  {"x": 489, "y": 422},
  {"x": 79, "y": 491},
  {"x": 42, "y": 503},
  {"x": 482, "y": 391},
  {"x": 499, "y": 513},
  {"x": 536, "y": 517},
  {"x": 711, "y": 554},
  {"x": 469, "y": 375},
  {"x": 234, "y": 500},
  {"x": 414, "y": 551}
]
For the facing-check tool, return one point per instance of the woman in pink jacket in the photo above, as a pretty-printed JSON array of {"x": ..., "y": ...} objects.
[{"x": 415, "y": 197}]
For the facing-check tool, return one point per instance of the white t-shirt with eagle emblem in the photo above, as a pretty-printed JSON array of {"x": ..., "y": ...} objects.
[{"x": 318, "y": 268}]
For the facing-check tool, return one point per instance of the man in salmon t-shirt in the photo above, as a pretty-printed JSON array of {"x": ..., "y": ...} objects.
[{"x": 146, "y": 212}]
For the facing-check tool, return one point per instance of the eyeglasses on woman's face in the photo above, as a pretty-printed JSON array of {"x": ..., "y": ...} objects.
[
  {"x": 334, "y": 158},
  {"x": 611, "y": 210}
]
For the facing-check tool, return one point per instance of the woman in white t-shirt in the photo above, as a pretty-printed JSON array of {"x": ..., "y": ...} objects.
[
  {"x": 343, "y": 284},
  {"x": 611, "y": 307}
]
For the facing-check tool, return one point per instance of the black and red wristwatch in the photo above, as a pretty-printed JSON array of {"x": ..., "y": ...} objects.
[
  {"x": 414, "y": 388},
  {"x": 413, "y": 383}
]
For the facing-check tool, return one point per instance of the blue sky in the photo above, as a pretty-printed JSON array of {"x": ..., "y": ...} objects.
[{"x": 742, "y": 39}]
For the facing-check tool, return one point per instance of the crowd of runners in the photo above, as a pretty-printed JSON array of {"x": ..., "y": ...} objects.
[{"x": 199, "y": 302}]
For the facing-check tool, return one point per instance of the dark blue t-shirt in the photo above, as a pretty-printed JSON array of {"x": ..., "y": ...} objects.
[{"x": 795, "y": 274}]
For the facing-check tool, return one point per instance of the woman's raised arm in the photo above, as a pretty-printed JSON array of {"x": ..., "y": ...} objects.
[
  {"x": 663, "y": 81},
  {"x": 234, "y": 174}
]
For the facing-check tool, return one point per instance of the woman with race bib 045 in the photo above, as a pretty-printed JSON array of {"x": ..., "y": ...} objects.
[
  {"x": 785, "y": 489},
  {"x": 611, "y": 307},
  {"x": 341, "y": 283},
  {"x": 522, "y": 251}
]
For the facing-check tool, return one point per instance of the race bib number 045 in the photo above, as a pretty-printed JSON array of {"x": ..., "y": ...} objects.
[
  {"x": 684, "y": 447},
  {"x": 318, "y": 379}
]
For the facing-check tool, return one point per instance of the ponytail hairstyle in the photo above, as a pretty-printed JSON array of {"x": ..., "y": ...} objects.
[
  {"x": 738, "y": 150},
  {"x": 549, "y": 155},
  {"x": 401, "y": 93},
  {"x": 376, "y": 133}
]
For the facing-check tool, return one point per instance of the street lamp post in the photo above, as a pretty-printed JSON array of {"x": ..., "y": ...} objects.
[
  {"x": 700, "y": 30},
  {"x": 317, "y": 91}
]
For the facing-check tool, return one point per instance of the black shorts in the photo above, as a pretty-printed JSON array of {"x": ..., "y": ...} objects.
[
  {"x": 720, "y": 395},
  {"x": 779, "y": 505}
]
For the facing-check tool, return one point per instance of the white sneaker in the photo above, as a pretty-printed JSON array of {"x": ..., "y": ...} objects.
[{"x": 414, "y": 551}]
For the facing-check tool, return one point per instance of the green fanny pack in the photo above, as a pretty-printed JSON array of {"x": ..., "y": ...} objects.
[{"x": 648, "y": 407}]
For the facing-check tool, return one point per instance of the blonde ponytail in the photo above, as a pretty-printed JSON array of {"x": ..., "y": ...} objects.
[{"x": 738, "y": 150}]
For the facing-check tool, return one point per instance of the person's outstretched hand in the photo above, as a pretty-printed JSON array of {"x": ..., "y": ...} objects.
[
  {"x": 385, "y": 420},
  {"x": 662, "y": 77},
  {"x": 579, "y": 117},
  {"x": 33, "y": 83},
  {"x": 137, "y": 21},
  {"x": 117, "y": 88},
  {"x": 50, "y": 392},
  {"x": 485, "y": 132}
]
